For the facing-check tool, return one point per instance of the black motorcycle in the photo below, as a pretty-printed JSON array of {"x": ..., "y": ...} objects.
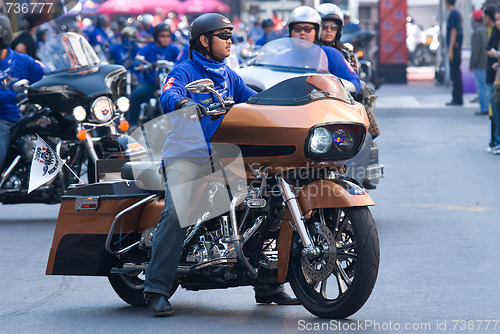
[
  {"x": 78, "y": 108},
  {"x": 365, "y": 51},
  {"x": 152, "y": 109}
]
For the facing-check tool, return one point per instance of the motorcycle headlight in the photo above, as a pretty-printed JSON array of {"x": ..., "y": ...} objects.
[
  {"x": 102, "y": 109},
  {"x": 79, "y": 113},
  {"x": 123, "y": 104},
  {"x": 334, "y": 142},
  {"x": 320, "y": 141}
]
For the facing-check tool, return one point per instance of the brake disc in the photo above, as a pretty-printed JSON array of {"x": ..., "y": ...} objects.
[{"x": 318, "y": 268}]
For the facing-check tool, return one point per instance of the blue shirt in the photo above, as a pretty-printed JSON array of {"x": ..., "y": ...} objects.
[
  {"x": 120, "y": 53},
  {"x": 338, "y": 66},
  {"x": 152, "y": 53},
  {"x": 98, "y": 36},
  {"x": 455, "y": 21},
  {"x": 181, "y": 138},
  {"x": 14, "y": 67}
]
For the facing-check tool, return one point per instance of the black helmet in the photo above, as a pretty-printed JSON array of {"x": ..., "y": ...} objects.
[
  {"x": 207, "y": 23},
  {"x": 266, "y": 23},
  {"x": 332, "y": 12},
  {"x": 102, "y": 21},
  {"x": 5, "y": 33},
  {"x": 159, "y": 28}
]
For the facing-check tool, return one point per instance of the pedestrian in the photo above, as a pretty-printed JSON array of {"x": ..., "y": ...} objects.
[
  {"x": 492, "y": 68},
  {"x": 210, "y": 43},
  {"x": 478, "y": 59},
  {"x": 454, "y": 38}
]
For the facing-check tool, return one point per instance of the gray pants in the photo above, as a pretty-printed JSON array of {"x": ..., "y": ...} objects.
[{"x": 5, "y": 134}]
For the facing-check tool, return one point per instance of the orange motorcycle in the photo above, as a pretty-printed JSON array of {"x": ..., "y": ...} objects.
[{"x": 287, "y": 214}]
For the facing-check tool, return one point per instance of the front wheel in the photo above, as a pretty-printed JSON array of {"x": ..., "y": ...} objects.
[{"x": 336, "y": 282}]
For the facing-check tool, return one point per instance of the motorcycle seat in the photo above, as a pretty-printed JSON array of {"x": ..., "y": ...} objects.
[{"x": 148, "y": 174}]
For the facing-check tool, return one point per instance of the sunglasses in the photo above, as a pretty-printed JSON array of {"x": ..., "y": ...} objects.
[
  {"x": 298, "y": 29},
  {"x": 225, "y": 35},
  {"x": 327, "y": 26}
]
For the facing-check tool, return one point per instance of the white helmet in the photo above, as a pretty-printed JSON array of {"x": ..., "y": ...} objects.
[
  {"x": 330, "y": 11},
  {"x": 305, "y": 14},
  {"x": 147, "y": 19}
]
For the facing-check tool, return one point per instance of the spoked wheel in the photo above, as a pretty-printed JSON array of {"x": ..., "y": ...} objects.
[
  {"x": 130, "y": 287},
  {"x": 337, "y": 281}
]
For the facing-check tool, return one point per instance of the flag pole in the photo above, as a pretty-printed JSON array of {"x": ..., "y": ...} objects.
[{"x": 65, "y": 164}]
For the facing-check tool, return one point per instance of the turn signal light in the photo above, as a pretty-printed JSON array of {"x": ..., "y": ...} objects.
[
  {"x": 82, "y": 135},
  {"x": 124, "y": 126},
  {"x": 360, "y": 54}
]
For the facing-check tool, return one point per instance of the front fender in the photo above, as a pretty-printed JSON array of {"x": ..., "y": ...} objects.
[{"x": 315, "y": 195}]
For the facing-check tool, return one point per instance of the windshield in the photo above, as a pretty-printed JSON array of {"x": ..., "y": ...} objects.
[
  {"x": 293, "y": 53},
  {"x": 67, "y": 51}
]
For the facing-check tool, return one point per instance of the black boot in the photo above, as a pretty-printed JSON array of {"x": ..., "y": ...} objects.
[
  {"x": 158, "y": 304},
  {"x": 280, "y": 298}
]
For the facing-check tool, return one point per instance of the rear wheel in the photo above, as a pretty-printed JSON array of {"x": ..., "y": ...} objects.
[
  {"x": 337, "y": 282},
  {"x": 130, "y": 287}
]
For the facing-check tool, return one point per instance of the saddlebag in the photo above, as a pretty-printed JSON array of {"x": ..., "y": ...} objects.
[{"x": 85, "y": 218}]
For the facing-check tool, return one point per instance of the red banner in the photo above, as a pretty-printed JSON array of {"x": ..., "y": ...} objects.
[{"x": 392, "y": 32}]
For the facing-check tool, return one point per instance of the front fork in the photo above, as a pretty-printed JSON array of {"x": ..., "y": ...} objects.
[{"x": 293, "y": 206}]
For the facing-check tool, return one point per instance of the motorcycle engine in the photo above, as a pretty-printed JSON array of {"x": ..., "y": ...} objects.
[
  {"x": 26, "y": 145},
  {"x": 210, "y": 248}
]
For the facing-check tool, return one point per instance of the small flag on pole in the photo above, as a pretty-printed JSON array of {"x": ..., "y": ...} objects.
[{"x": 44, "y": 166}]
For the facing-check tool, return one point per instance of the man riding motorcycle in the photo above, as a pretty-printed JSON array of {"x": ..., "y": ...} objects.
[
  {"x": 161, "y": 49},
  {"x": 305, "y": 23},
  {"x": 210, "y": 43},
  {"x": 13, "y": 67}
]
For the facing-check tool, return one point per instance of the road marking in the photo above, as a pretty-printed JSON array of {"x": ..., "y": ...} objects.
[{"x": 453, "y": 207}]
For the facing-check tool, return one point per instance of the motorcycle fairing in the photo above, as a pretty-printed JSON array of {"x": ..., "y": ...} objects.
[
  {"x": 319, "y": 194},
  {"x": 302, "y": 90},
  {"x": 62, "y": 91}
]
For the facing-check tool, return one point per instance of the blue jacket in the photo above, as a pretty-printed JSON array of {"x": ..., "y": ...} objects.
[
  {"x": 98, "y": 36},
  {"x": 338, "y": 66},
  {"x": 152, "y": 53},
  {"x": 120, "y": 53},
  {"x": 14, "y": 67},
  {"x": 185, "y": 135}
]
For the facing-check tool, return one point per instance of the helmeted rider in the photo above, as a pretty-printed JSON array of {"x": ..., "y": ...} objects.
[
  {"x": 161, "y": 48},
  {"x": 14, "y": 66},
  {"x": 269, "y": 33},
  {"x": 125, "y": 52},
  {"x": 331, "y": 31},
  {"x": 305, "y": 23},
  {"x": 210, "y": 43}
]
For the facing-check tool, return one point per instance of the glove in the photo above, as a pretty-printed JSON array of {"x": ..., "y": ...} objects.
[{"x": 199, "y": 110}]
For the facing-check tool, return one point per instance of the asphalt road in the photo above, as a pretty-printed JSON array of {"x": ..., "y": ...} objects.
[{"x": 437, "y": 215}]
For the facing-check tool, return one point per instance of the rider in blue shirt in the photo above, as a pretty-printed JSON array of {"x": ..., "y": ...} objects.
[
  {"x": 14, "y": 66},
  {"x": 160, "y": 49},
  {"x": 210, "y": 44},
  {"x": 305, "y": 24},
  {"x": 125, "y": 52}
]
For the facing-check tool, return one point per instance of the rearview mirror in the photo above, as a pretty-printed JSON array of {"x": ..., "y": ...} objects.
[
  {"x": 21, "y": 86},
  {"x": 202, "y": 86}
]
